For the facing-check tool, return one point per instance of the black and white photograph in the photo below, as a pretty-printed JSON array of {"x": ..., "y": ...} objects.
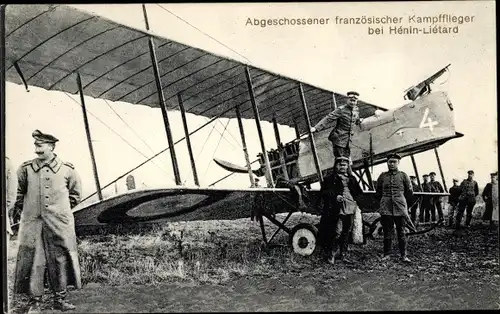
[{"x": 249, "y": 157}]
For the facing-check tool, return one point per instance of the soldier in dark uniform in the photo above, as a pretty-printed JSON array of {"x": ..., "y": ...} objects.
[
  {"x": 340, "y": 192},
  {"x": 437, "y": 200},
  {"x": 453, "y": 201},
  {"x": 415, "y": 202},
  {"x": 487, "y": 198},
  {"x": 467, "y": 199},
  {"x": 426, "y": 206},
  {"x": 394, "y": 189},
  {"x": 48, "y": 188},
  {"x": 343, "y": 120}
]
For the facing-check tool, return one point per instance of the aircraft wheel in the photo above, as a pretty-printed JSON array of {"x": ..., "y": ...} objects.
[{"x": 303, "y": 239}]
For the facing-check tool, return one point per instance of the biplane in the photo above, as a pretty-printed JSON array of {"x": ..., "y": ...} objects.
[{"x": 61, "y": 48}]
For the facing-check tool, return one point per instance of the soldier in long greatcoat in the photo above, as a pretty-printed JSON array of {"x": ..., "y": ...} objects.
[
  {"x": 48, "y": 188},
  {"x": 394, "y": 189}
]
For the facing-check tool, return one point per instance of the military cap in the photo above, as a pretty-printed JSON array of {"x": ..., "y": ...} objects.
[
  {"x": 425, "y": 175},
  {"x": 342, "y": 158},
  {"x": 43, "y": 138},
  {"x": 470, "y": 172},
  {"x": 353, "y": 93},
  {"x": 493, "y": 173},
  {"x": 432, "y": 173},
  {"x": 413, "y": 177},
  {"x": 393, "y": 156},
  {"x": 455, "y": 180}
]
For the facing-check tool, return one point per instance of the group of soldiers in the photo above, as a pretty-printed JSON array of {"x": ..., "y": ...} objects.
[
  {"x": 462, "y": 199},
  {"x": 43, "y": 192},
  {"x": 341, "y": 192},
  {"x": 394, "y": 193}
]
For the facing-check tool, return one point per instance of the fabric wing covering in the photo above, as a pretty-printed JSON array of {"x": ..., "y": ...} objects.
[{"x": 51, "y": 43}]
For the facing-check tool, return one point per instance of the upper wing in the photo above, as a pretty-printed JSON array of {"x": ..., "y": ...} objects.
[{"x": 48, "y": 44}]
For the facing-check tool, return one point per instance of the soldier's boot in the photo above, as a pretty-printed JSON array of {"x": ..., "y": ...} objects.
[
  {"x": 60, "y": 302},
  {"x": 35, "y": 305},
  {"x": 458, "y": 220},
  {"x": 450, "y": 221},
  {"x": 402, "y": 250},
  {"x": 344, "y": 247},
  {"x": 387, "y": 249},
  {"x": 468, "y": 220}
]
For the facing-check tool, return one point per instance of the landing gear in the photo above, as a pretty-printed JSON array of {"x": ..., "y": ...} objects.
[{"x": 303, "y": 239}]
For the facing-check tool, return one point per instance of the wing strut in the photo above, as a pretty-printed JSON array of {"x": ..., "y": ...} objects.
[
  {"x": 334, "y": 101},
  {"x": 188, "y": 140},
  {"x": 89, "y": 138},
  {"x": 440, "y": 168},
  {"x": 269, "y": 175},
  {"x": 280, "y": 147},
  {"x": 416, "y": 170},
  {"x": 21, "y": 75},
  {"x": 311, "y": 138},
  {"x": 244, "y": 144},
  {"x": 161, "y": 99},
  {"x": 296, "y": 128}
]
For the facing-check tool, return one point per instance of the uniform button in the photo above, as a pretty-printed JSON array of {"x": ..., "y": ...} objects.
[
  {"x": 46, "y": 196},
  {"x": 46, "y": 206},
  {"x": 46, "y": 178},
  {"x": 46, "y": 186}
]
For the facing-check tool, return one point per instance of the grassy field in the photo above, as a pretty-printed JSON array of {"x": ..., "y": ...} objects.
[{"x": 219, "y": 254}]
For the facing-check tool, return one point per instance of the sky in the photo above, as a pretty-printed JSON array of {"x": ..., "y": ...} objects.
[{"x": 336, "y": 57}]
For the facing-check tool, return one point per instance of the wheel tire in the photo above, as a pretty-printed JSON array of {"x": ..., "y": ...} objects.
[{"x": 303, "y": 239}]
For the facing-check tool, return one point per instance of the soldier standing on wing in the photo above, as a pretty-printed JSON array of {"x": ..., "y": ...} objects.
[{"x": 343, "y": 120}]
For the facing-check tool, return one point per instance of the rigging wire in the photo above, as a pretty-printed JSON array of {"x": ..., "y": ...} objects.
[
  {"x": 202, "y": 148},
  {"x": 121, "y": 137},
  {"x": 206, "y": 141},
  {"x": 216, "y": 147},
  {"x": 131, "y": 129},
  {"x": 203, "y": 32},
  {"x": 230, "y": 134}
]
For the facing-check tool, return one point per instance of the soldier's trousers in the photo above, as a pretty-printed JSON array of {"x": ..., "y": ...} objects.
[
  {"x": 342, "y": 240},
  {"x": 329, "y": 238},
  {"x": 438, "y": 204},
  {"x": 425, "y": 210},
  {"x": 451, "y": 213},
  {"x": 462, "y": 206},
  {"x": 341, "y": 151},
  {"x": 413, "y": 210},
  {"x": 388, "y": 223}
]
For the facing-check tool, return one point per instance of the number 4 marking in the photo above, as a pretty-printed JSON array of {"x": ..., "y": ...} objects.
[{"x": 427, "y": 122}]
